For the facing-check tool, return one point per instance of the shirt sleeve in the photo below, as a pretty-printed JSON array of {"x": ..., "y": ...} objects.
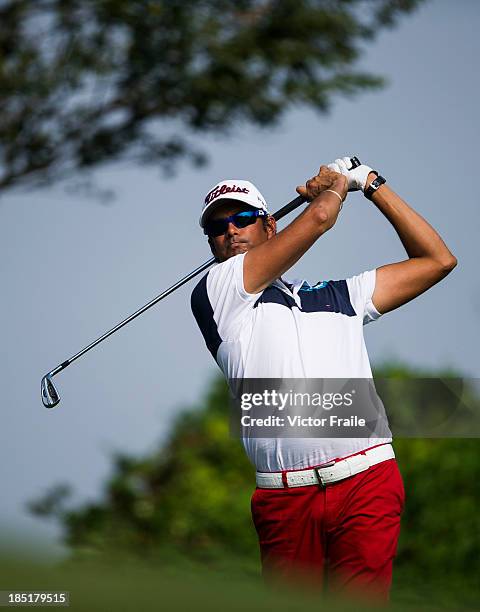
[
  {"x": 223, "y": 298},
  {"x": 361, "y": 288}
]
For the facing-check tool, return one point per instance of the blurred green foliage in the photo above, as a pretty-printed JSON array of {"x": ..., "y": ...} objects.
[
  {"x": 84, "y": 82},
  {"x": 193, "y": 494},
  {"x": 130, "y": 586},
  {"x": 191, "y": 499}
]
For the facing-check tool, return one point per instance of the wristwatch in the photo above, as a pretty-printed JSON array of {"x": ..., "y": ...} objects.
[{"x": 374, "y": 185}]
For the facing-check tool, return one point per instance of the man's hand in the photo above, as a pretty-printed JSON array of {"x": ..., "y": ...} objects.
[
  {"x": 357, "y": 177},
  {"x": 326, "y": 178}
]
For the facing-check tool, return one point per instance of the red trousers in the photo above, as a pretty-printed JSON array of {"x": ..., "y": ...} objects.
[{"x": 343, "y": 536}]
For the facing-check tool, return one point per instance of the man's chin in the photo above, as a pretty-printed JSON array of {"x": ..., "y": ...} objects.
[
  {"x": 238, "y": 247},
  {"x": 235, "y": 249}
]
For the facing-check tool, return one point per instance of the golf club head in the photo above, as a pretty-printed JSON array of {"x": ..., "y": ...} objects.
[{"x": 50, "y": 397}]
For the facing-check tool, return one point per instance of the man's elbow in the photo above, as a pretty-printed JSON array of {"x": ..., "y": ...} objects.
[
  {"x": 447, "y": 264},
  {"x": 324, "y": 218}
]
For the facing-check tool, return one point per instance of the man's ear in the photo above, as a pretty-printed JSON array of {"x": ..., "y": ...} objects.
[{"x": 271, "y": 227}]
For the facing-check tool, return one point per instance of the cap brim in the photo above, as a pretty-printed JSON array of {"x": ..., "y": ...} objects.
[{"x": 221, "y": 200}]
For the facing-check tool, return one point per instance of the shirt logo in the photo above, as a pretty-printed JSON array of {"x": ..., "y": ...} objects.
[
  {"x": 222, "y": 189},
  {"x": 319, "y": 285}
]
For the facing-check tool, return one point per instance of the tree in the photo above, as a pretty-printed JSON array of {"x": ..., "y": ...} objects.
[{"x": 89, "y": 81}]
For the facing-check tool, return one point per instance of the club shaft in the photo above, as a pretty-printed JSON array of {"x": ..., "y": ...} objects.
[
  {"x": 288, "y": 208},
  {"x": 278, "y": 215},
  {"x": 136, "y": 314}
]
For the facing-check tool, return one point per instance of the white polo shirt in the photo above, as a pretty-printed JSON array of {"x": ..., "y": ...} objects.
[{"x": 288, "y": 330}]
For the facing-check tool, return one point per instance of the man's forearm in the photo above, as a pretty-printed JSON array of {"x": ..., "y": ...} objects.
[
  {"x": 416, "y": 234},
  {"x": 273, "y": 257}
]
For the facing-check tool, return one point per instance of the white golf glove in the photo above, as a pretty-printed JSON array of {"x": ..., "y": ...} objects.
[{"x": 357, "y": 177}]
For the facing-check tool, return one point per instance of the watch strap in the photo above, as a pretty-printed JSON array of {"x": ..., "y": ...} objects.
[{"x": 374, "y": 185}]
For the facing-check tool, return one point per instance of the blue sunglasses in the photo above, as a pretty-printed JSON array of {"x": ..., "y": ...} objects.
[{"x": 217, "y": 227}]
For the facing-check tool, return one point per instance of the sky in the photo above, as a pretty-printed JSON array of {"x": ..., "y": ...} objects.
[{"x": 73, "y": 267}]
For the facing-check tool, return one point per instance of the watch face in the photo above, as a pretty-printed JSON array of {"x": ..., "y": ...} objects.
[{"x": 374, "y": 185}]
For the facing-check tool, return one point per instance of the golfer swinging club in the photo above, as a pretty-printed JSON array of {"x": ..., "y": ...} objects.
[{"x": 341, "y": 519}]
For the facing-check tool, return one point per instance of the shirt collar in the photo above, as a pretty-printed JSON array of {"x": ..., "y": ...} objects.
[{"x": 296, "y": 283}]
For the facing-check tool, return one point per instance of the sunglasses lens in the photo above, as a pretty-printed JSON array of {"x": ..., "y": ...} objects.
[
  {"x": 244, "y": 218},
  {"x": 218, "y": 227}
]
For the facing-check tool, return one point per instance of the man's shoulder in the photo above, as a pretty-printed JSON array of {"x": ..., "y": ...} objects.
[
  {"x": 200, "y": 290},
  {"x": 219, "y": 270},
  {"x": 213, "y": 280}
]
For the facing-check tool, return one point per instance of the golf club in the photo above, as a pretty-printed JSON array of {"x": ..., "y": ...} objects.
[{"x": 50, "y": 395}]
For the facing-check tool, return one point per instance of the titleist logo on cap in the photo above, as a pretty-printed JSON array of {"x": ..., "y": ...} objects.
[{"x": 218, "y": 191}]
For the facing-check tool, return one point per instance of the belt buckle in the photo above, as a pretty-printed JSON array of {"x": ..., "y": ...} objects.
[{"x": 319, "y": 476}]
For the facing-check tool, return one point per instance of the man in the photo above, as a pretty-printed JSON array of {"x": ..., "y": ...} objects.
[{"x": 322, "y": 505}]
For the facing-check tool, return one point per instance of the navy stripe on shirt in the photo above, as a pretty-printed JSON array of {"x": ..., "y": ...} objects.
[
  {"x": 332, "y": 296},
  {"x": 329, "y": 296},
  {"x": 203, "y": 313}
]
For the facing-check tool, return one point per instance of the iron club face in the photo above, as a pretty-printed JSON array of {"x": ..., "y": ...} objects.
[{"x": 50, "y": 396}]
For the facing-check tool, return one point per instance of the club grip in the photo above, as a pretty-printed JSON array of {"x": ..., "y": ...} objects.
[{"x": 299, "y": 200}]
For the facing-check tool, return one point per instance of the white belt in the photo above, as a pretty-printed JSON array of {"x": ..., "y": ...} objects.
[{"x": 332, "y": 472}]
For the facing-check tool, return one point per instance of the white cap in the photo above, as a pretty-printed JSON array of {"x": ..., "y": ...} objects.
[{"x": 232, "y": 189}]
